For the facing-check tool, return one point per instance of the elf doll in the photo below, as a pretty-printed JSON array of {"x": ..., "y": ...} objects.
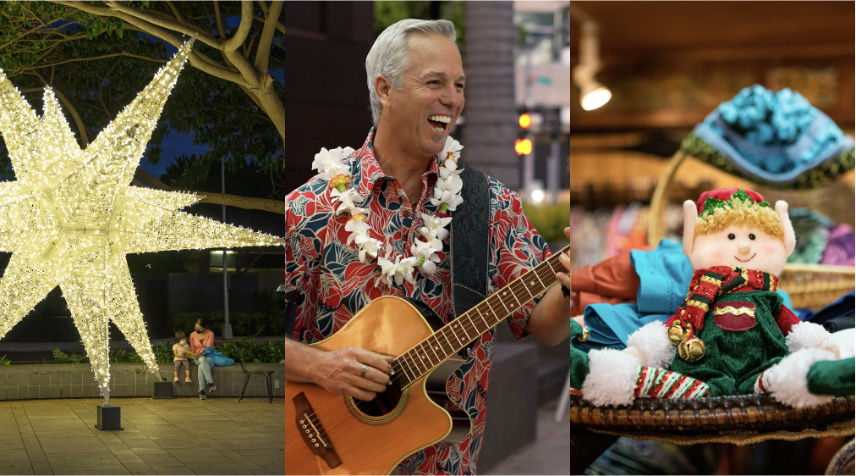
[{"x": 733, "y": 335}]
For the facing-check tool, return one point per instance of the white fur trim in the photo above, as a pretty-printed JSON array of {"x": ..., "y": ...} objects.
[
  {"x": 845, "y": 339},
  {"x": 808, "y": 335},
  {"x": 652, "y": 340},
  {"x": 786, "y": 381},
  {"x": 611, "y": 378}
]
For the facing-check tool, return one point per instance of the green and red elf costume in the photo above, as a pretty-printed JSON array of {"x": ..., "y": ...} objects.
[
  {"x": 731, "y": 328},
  {"x": 733, "y": 335}
]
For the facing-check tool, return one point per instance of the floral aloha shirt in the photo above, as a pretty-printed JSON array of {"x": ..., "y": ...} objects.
[{"x": 329, "y": 284}]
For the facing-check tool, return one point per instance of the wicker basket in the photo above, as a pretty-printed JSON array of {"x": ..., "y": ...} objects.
[
  {"x": 810, "y": 286},
  {"x": 739, "y": 420}
]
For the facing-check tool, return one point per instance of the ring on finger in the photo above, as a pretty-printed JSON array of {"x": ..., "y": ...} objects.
[{"x": 364, "y": 369}]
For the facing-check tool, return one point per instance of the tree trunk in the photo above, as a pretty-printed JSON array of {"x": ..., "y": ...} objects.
[
  {"x": 272, "y": 105},
  {"x": 490, "y": 113},
  {"x": 247, "y": 203}
]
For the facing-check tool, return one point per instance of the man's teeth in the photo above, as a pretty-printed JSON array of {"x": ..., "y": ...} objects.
[{"x": 443, "y": 119}]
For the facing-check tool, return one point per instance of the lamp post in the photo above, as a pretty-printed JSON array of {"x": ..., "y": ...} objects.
[{"x": 227, "y": 326}]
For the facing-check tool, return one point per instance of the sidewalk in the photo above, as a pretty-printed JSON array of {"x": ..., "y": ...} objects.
[
  {"x": 550, "y": 453},
  {"x": 180, "y": 436}
]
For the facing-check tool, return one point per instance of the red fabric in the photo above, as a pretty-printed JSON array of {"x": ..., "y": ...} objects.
[
  {"x": 611, "y": 281},
  {"x": 207, "y": 341},
  {"x": 786, "y": 319},
  {"x": 724, "y": 194},
  {"x": 695, "y": 314}
]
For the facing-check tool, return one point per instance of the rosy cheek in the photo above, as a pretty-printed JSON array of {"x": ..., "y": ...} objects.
[
  {"x": 770, "y": 250},
  {"x": 717, "y": 256}
]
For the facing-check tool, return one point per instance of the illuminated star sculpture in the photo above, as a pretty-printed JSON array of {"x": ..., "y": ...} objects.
[{"x": 71, "y": 217}]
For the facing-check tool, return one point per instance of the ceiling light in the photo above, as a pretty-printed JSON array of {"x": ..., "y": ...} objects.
[{"x": 592, "y": 93}]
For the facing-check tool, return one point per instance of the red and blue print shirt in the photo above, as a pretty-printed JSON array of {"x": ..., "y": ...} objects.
[{"x": 329, "y": 284}]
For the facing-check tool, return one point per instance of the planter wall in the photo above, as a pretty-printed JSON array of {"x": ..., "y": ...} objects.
[{"x": 25, "y": 382}]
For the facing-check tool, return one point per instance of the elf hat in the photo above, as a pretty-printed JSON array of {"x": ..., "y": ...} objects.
[{"x": 720, "y": 208}]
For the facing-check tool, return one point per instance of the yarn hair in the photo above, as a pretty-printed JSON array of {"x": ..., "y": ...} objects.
[{"x": 743, "y": 213}]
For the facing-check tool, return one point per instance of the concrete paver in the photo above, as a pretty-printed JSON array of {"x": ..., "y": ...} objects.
[
  {"x": 179, "y": 436},
  {"x": 550, "y": 453}
]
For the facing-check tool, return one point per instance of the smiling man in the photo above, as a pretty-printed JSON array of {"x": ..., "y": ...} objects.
[{"x": 374, "y": 223}]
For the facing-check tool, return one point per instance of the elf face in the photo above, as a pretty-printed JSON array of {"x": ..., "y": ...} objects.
[{"x": 744, "y": 246}]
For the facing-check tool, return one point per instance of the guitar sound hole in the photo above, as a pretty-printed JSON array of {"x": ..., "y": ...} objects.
[{"x": 383, "y": 403}]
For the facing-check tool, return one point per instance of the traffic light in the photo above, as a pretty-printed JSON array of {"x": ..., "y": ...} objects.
[
  {"x": 523, "y": 146},
  {"x": 524, "y": 120}
]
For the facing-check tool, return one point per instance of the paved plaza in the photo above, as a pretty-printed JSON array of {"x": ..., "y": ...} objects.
[
  {"x": 178, "y": 436},
  {"x": 550, "y": 453}
]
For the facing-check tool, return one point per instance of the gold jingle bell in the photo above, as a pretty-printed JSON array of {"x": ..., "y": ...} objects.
[
  {"x": 584, "y": 337},
  {"x": 691, "y": 350},
  {"x": 677, "y": 333}
]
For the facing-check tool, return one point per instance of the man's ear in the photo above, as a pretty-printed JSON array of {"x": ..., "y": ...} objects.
[
  {"x": 790, "y": 238},
  {"x": 689, "y": 226},
  {"x": 382, "y": 88}
]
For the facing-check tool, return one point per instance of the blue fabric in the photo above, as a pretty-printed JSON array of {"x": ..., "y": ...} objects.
[
  {"x": 843, "y": 307},
  {"x": 217, "y": 358},
  {"x": 773, "y": 136},
  {"x": 666, "y": 262},
  {"x": 664, "y": 276}
]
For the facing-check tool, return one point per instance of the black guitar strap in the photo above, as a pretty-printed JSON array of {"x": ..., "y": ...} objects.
[{"x": 469, "y": 246}]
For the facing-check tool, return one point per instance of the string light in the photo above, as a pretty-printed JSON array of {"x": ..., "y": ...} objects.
[{"x": 71, "y": 217}]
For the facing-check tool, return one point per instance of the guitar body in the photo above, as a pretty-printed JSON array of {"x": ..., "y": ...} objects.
[{"x": 327, "y": 433}]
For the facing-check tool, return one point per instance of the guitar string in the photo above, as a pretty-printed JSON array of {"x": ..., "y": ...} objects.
[
  {"x": 469, "y": 325},
  {"x": 516, "y": 286}
]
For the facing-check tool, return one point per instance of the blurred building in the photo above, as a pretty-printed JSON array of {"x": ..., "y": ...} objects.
[
  {"x": 542, "y": 88},
  {"x": 326, "y": 101}
]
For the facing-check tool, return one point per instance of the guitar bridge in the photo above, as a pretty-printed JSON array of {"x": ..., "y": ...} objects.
[{"x": 312, "y": 431}]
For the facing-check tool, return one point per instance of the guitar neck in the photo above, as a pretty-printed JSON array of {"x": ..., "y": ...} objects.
[{"x": 454, "y": 336}]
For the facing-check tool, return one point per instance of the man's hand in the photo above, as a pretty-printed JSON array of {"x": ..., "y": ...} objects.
[
  {"x": 565, "y": 278},
  {"x": 352, "y": 371}
]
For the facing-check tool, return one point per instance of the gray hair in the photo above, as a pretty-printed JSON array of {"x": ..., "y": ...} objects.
[{"x": 388, "y": 55}]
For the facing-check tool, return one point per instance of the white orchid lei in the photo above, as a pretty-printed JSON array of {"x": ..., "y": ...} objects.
[{"x": 332, "y": 166}]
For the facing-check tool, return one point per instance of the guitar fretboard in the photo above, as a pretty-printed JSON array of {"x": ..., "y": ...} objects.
[{"x": 482, "y": 317}]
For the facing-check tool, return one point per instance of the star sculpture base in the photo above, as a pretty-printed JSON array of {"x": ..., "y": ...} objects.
[{"x": 109, "y": 418}]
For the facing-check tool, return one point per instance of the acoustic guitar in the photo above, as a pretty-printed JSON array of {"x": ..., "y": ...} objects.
[{"x": 326, "y": 433}]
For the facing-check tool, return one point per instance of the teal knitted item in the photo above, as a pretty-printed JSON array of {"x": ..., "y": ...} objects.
[{"x": 812, "y": 237}]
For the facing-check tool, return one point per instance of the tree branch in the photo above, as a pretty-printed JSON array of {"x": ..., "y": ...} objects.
[
  {"x": 143, "y": 178},
  {"x": 206, "y": 65},
  {"x": 279, "y": 26},
  {"x": 31, "y": 30},
  {"x": 243, "y": 30},
  {"x": 252, "y": 77},
  {"x": 189, "y": 30},
  {"x": 217, "y": 16},
  {"x": 251, "y": 203},
  {"x": 92, "y": 58},
  {"x": 175, "y": 11},
  {"x": 197, "y": 60},
  {"x": 263, "y": 7},
  {"x": 263, "y": 50},
  {"x": 78, "y": 122}
]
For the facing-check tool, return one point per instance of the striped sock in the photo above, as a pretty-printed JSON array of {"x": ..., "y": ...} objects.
[
  {"x": 661, "y": 383},
  {"x": 759, "y": 387}
]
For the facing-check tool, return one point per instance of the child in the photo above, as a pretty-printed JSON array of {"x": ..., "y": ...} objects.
[{"x": 181, "y": 351}]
